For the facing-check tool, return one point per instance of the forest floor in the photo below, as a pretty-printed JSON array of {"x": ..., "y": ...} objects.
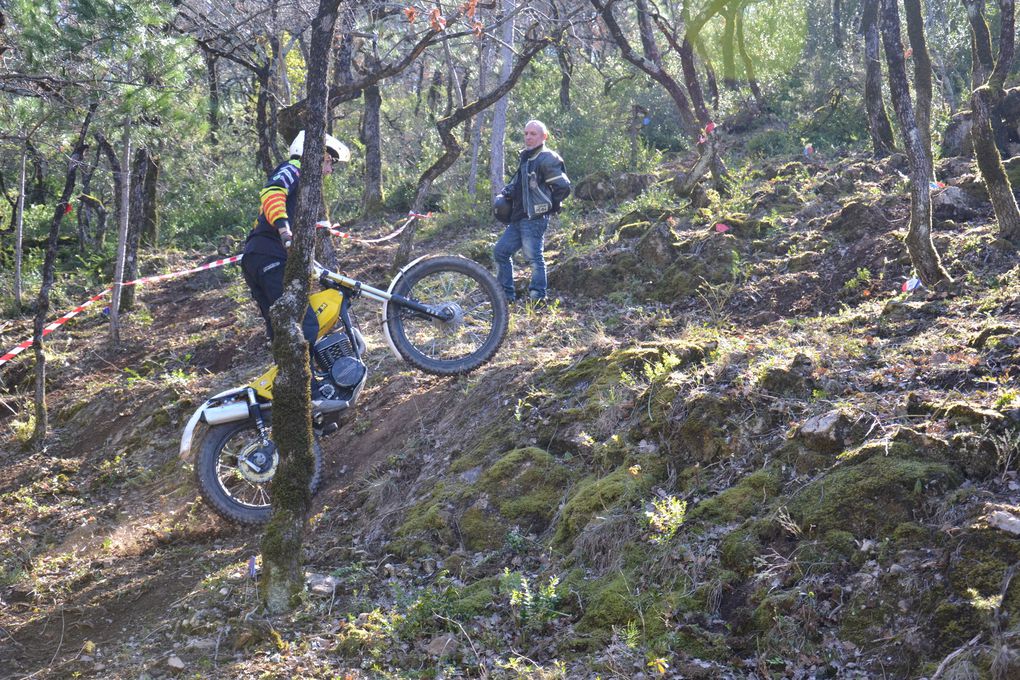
[{"x": 722, "y": 451}]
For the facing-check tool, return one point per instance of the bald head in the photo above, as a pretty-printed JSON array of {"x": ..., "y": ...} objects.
[{"x": 535, "y": 134}]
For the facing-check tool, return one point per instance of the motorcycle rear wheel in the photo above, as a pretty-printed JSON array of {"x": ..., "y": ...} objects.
[
  {"x": 478, "y": 323},
  {"x": 225, "y": 486}
]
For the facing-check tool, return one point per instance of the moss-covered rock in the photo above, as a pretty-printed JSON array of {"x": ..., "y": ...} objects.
[
  {"x": 701, "y": 435},
  {"x": 978, "y": 567},
  {"x": 597, "y": 495},
  {"x": 870, "y": 498},
  {"x": 479, "y": 530},
  {"x": 609, "y": 603},
  {"x": 526, "y": 485},
  {"x": 738, "y": 550},
  {"x": 741, "y": 500}
]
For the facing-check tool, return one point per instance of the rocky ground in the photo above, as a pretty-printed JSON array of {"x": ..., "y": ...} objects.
[{"x": 732, "y": 448}]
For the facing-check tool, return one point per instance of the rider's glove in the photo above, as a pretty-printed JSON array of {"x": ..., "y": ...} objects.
[{"x": 283, "y": 227}]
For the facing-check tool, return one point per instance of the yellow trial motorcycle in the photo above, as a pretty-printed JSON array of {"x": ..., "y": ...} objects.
[{"x": 445, "y": 315}]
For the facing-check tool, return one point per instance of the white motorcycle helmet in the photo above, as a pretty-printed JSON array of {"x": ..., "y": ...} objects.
[{"x": 334, "y": 147}]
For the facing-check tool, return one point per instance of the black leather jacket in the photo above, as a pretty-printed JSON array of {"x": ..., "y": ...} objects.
[{"x": 544, "y": 186}]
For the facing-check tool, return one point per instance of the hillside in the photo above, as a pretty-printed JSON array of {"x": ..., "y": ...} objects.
[{"x": 734, "y": 451}]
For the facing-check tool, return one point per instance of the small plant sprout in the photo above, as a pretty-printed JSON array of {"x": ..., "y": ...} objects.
[
  {"x": 658, "y": 665},
  {"x": 665, "y": 518}
]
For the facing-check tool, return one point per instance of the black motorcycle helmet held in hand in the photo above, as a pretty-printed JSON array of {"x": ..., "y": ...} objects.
[{"x": 502, "y": 207}]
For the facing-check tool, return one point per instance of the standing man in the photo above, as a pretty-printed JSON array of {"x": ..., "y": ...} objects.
[{"x": 534, "y": 193}]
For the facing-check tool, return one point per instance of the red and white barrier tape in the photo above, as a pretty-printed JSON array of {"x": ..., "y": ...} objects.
[
  {"x": 411, "y": 217},
  {"x": 54, "y": 325}
]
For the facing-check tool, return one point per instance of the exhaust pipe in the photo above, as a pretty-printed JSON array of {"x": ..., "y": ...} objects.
[{"x": 227, "y": 413}]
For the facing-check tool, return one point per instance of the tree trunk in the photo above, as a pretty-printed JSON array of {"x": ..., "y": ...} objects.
[
  {"x": 83, "y": 220},
  {"x": 497, "y": 141},
  {"x": 566, "y": 76},
  {"x": 990, "y": 163},
  {"x": 42, "y": 306},
  {"x": 637, "y": 118},
  {"x": 212, "y": 78},
  {"x": 111, "y": 159},
  {"x": 752, "y": 78},
  {"x": 980, "y": 43},
  {"x": 19, "y": 228},
  {"x": 922, "y": 71},
  {"x": 264, "y": 153},
  {"x": 485, "y": 53},
  {"x": 292, "y": 409},
  {"x": 148, "y": 215},
  {"x": 123, "y": 212},
  {"x": 922, "y": 251},
  {"x": 143, "y": 222},
  {"x": 729, "y": 40},
  {"x": 985, "y": 100},
  {"x": 882, "y": 140},
  {"x": 37, "y": 195},
  {"x": 692, "y": 82},
  {"x": 650, "y": 62},
  {"x": 371, "y": 137}
]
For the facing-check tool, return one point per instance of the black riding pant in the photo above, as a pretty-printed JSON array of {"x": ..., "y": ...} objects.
[{"x": 264, "y": 276}]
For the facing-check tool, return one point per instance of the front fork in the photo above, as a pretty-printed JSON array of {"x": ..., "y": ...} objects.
[{"x": 255, "y": 411}]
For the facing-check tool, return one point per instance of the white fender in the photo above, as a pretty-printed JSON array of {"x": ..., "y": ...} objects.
[
  {"x": 385, "y": 305},
  {"x": 198, "y": 416}
]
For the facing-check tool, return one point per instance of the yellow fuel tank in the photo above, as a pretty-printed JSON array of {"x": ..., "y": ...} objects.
[{"x": 326, "y": 305}]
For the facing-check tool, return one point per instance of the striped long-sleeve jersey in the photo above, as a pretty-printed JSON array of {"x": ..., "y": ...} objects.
[{"x": 276, "y": 201}]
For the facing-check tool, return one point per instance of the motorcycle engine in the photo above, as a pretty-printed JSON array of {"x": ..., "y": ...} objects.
[{"x": 335, "y": 354}]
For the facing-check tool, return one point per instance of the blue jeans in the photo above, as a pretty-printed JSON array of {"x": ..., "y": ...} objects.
[{"x": 529, "y": 236}]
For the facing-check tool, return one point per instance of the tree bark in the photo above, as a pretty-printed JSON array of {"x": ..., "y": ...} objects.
[
  {"x": 143, "y": 223},
  {"x": 990, "y": 163},
  {"x": 111, "y": 159},
  {"x": 485, "y": 52},
  {"x": 984, "y": 101},
  {"x": 729, "y": 40},
  {"x": 42, "y": 306},
  {"x": 212, "y": 78},
  {"x": 19, "y": 226},
  {"x": 691, "y": 80},
  {"x": 497, "y": 140},
  {"x": 83, "y": 220},
  {"x": 566, "y": 75},
  {"x": 882, "y": 141},
  {"x": 292, "y": 419},
  {"x": 37, "y": 195},
  {"x": 922, "y": 71},
  {"x": 123, "y": 212},
  {"x": 371, "y": 137},
  {"x": 752, "y": 77},
  {"x": 264, "y": 153},
  {"x": 980, "y": 42},
  {"x": 922, "y": 251}
]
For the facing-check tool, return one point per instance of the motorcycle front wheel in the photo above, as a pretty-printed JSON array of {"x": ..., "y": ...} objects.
[
  {"x": 475, "y": 306},
  {"x": 234, "y": 472}
]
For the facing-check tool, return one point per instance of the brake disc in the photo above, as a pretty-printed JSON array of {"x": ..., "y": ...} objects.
[{"x": 258, "y": 463}]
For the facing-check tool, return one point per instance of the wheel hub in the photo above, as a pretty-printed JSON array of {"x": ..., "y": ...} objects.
[
  {"x": 257, "y": 463},
  {"x": 453, "y": 317}
]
